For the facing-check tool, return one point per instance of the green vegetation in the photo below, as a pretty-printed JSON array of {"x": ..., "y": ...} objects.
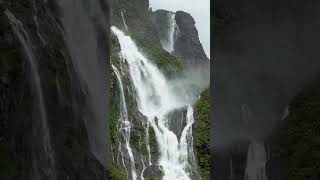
[
  {"x": 153, "y": 146},
  {"x": 202, "y": 134},
  {"x": 113, "y": 127},
  {"x": 299, "y": 138},
  {"x": 117, "y": 172}
]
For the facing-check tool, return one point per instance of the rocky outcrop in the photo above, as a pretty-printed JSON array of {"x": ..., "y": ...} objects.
[
  {"x": 187, "y": 45},
  {"x": 153, "y": 172}
]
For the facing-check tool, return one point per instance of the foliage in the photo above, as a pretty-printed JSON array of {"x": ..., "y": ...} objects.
[
  {"x": 299, "y": 137},
  {"x": 117, "y": 172},
  {"x": 113, "y": 127},
  {"x": 202, "y": 133}
]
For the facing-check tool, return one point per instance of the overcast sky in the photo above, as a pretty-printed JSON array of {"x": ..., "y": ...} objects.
[{"x": 200, "y": 11}]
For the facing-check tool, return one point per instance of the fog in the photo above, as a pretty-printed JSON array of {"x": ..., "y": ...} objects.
[
  {"x": 192, "y": 81},
  {"x": 265, "y": 53}
]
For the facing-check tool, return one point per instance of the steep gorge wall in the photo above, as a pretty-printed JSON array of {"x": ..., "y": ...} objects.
[{"x": 66, "y": 104}]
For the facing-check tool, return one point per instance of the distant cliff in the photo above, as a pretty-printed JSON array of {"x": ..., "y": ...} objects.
[{"x": 187, "y": 45}]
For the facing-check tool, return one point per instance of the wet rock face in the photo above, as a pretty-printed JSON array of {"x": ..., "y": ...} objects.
[
  {"x": 187, "y": 45},
  {"x": 64, "y": 99},
  {"x": 177, "y": 121},
  {"x": 153, "y": 172}
]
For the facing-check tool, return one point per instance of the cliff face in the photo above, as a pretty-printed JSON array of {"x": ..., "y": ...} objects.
[
  {"x": 137, "y": 19},
  {"x": 186, "y": 43},
  {"x": 44, "y": 101}
]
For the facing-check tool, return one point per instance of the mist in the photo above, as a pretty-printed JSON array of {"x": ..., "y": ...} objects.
[
  {"x": 266, "y": 52},
  {"x": 192, "y": 81}
]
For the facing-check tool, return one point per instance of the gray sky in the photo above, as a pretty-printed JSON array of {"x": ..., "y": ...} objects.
[{"x": 200, "y": 11}]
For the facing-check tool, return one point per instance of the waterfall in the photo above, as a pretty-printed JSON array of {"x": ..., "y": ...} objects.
[
  {"x": 43, "y": 160},
  {"x": 156, "y": 99},
  {"x": 286, "y": 113},
  {"x": 35, "y": 18},
  {"x": 84, "y": 25},
  {"x": 256, "y": 161},
  {"x": 124, "y": 21},
  {"x": 125, "y": 125},
  {"x": 168, "y": 42}
]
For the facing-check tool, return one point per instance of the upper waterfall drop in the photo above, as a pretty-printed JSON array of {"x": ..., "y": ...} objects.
[
  {"x": 168, "y": 41},
  {"x": 156, "y": 99},
  {"x": 124, "y": 21}
]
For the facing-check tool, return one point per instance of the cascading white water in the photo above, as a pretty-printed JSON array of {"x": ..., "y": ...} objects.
[
  {"x": 256, "y": 162},
  {"x": 46, "y": 161},
  {"x": 168, "y": 41},
  {"x": 156, "y": 99},
  {"x": 124, "y": 125},
  {"x": 147, "y": 137}
]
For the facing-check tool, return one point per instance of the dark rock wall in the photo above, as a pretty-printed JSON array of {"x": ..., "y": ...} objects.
[
  {"x": 65, "y": 100},
  {"x": 265, "y": 53}
]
